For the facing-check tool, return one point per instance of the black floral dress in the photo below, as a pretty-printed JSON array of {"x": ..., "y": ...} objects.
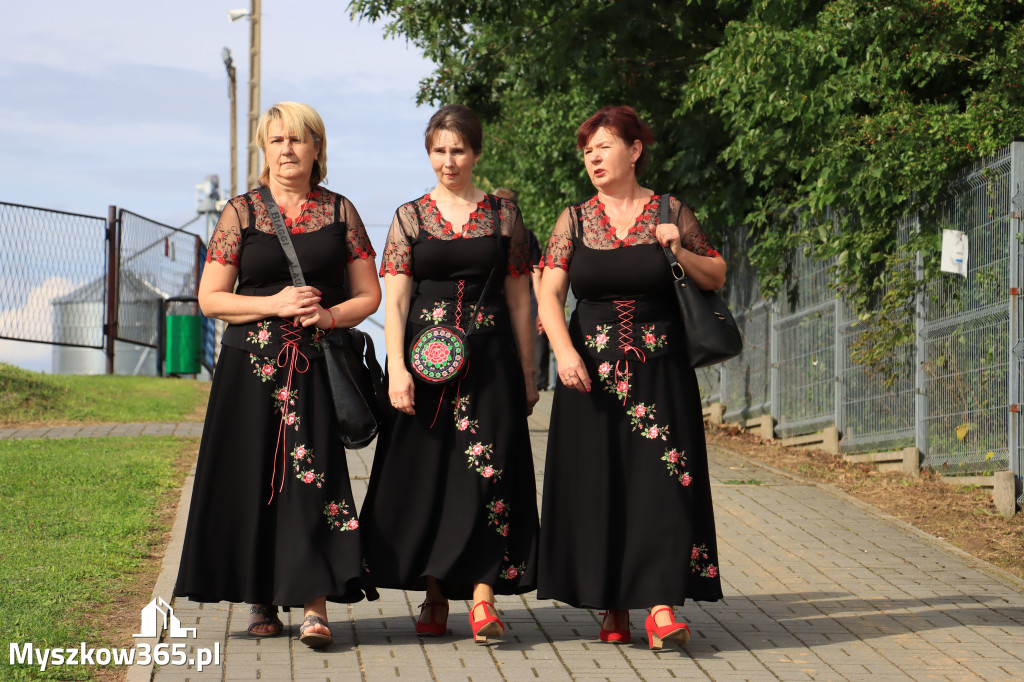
[
  {"x": 452, "y": 492},
  {"x": 627, "y": 520},
  {"x": 272, "y": 519}
]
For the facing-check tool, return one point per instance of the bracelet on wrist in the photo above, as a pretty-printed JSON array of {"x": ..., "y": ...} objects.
[{"x": 333, "y": 321}]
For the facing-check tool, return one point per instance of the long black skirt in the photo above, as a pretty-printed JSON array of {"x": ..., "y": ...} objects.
[
  {"x": 264, "y": 526},
  {"x": 452, "y": 494},
  {"x": 627, "y": 520}
]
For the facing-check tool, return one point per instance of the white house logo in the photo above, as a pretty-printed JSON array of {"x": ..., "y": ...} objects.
[{"x": 158, "y": 616}]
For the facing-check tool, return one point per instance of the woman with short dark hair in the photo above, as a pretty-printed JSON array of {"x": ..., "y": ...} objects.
[
  {"x": 451, "y": 505},
  {"x": 627, "y": 521}
]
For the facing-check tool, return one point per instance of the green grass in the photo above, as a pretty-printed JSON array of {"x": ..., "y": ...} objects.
[
  {"x": 745, "y": 481},
  {"x": 32, "y": 398},
  {"x": 78, "y": 518}
]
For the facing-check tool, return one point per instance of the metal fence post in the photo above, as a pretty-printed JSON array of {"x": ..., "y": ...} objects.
[
  {"x": 920, "y": 356},
  {"x": 113, "y": 267},
  {"x": 775, "y": 384},
  {"x": 1016, "y": 344},
  {"x": 840, "y": 370}
]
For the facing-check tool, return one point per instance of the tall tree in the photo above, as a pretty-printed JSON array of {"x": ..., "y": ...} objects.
[{"x": 767, "y": 112}]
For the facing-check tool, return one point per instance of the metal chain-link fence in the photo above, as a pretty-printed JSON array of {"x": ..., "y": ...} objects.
[
  {"x": 158, "y": 262},
  {"x": 57, "y": 270},
  {"x": 48, "y": 258},
  {"x": 954, "y": 392}
]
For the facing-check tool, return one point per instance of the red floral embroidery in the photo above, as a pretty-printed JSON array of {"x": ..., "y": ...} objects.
[
  {"x": 597, "y": 232},
  {"x": 336, "y": 513},
  {"x": 698, "y": 556},
  {"x": 226, "y": 242}
]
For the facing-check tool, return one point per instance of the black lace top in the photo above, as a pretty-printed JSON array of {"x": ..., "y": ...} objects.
[
  {"x": 597, "y": 231},
  {"x": 322, "y": 208},
  {"x": 420, "y": 221}
]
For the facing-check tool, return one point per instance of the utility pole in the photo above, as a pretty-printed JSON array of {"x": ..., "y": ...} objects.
[
  {"x": 233, "y": 98},
  {"x": 253, "y": 171}
]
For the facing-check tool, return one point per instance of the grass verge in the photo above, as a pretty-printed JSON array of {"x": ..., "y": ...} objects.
[
  {"x": 32, "y": 398},
  {"x": 963, "y": 516},
  {"x": 83, "y": 525}
]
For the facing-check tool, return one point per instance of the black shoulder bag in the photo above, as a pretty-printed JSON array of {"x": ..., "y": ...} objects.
[
  {"x": 440, "y": 352},
  {"x": 711, "y": 332},
  {"x": 353, "y": 373}
]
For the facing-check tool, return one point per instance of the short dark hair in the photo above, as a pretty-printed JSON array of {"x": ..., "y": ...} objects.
[
  {"x": 506, "y": 193},
  {"x": 458, "y": 119},
  {"x": 623, "y": 121}
]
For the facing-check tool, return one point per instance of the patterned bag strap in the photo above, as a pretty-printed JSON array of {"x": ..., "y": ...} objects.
[
  {"x": 674, "y": 265},
  {"x": 283, "y": 236}
]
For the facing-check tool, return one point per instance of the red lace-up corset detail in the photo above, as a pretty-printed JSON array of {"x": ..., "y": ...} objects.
[
  {"x": 458, "y": 304},
  {"x": 288, "y": 357},
  {"x": 625, "y": 309}
]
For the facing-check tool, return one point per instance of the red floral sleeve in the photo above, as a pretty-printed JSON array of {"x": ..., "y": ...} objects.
[
  {"x": 558, "y": 253},
  {"x": 519, "y": 247},
  {"x": 397, "y": 258},
  {"x": 356, "y": 239},
  {"x": 226, "y": 242},
  {"x": 693, "y": 237}
]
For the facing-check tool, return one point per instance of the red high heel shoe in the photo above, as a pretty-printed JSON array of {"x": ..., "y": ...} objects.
[
  {"x": 616, "y": 634},
  {"x": 491, "y": 626},
  {"x": 673, "y": 633},
  {"x": 429, "y": 627}
]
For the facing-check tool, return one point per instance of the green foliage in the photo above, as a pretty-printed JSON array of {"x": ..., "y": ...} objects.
[
  {"x": 767, "y": 114},
  {"x": 30, "y": 398},
  {"x": 78, "y": 520}
]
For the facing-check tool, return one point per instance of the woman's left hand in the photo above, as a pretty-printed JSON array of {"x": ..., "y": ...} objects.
[
  {"x": 532, "y": 396},
  {"x": 313, "y": 318},
  {"x": 667, "y": 234}
]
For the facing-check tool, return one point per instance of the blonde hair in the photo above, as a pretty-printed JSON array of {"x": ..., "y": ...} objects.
[{"x": 298, "y": 119}]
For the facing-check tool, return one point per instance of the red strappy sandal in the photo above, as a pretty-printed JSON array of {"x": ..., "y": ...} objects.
[
  {"x": 491, "y": 626},
  {"x": 431, "y": 628},
  {"x": 617, "y": 634},
  {"x": 673, "y": 633}
]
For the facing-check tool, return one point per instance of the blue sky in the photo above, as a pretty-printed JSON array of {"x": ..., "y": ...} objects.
[{"x": 125, "y": 103}]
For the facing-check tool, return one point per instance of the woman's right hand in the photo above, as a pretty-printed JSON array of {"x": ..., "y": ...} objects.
[
  {"x": 292, "y": 302},
  {"x": 401, "y": 390},
  {"x": 573, "y": 373}
]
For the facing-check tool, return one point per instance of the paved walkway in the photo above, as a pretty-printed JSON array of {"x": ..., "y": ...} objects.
[
  {"x": 184, "y": 429},
  {"x": 818, "y": 586}
]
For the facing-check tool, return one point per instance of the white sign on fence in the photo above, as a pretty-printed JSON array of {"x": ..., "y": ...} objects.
[{"x": 954, "y": 252}]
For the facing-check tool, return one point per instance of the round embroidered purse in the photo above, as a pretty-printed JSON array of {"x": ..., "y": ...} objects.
[{"x": 438, "y": 354}]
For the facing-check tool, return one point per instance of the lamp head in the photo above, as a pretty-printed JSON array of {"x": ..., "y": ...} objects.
[{"x": 236, "y": 14}]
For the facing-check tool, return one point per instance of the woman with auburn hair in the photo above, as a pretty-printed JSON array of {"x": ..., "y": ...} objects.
[
  {"x": 451, "y": 506},
  {"x": 272, "y": 521},
  {"x": 627, "y": 521}
]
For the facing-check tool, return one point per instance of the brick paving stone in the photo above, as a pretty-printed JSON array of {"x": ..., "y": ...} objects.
[{"x": 818, "y": 586}]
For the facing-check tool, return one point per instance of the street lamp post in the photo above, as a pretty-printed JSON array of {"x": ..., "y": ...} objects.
[
  {"x": 232, "y": 97},
  {"x": 253, "y": 170},
  {"x": 253, "y": 158}
]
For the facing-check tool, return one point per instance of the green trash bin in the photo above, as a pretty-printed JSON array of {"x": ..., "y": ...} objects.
[{"x": 184, "y": 335}]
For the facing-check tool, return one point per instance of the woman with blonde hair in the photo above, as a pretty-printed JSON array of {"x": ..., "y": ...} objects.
[{"x": 272, "y": 520}]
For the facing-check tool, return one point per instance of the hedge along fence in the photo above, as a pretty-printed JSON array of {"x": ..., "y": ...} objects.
[{"x": 956, "y": 394}]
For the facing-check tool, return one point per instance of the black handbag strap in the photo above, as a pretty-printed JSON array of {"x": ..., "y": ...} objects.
[
  {"x": 496, "y": 217},
  {"x": 673, "y": 263},
  {"x": 283, "y": 236}
]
